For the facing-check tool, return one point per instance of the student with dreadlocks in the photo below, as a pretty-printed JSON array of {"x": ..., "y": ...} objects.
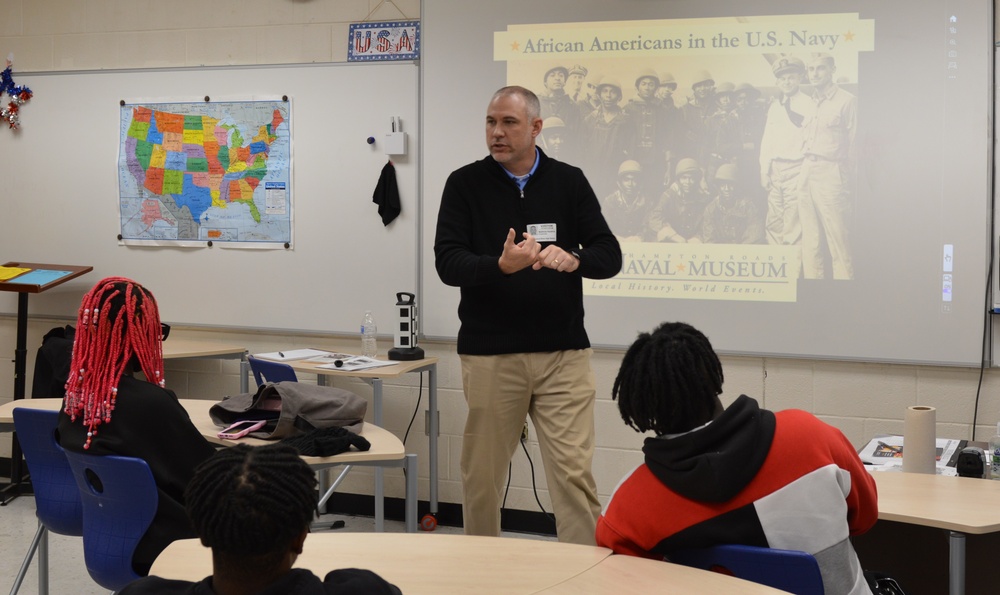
[
  {"x": 108, "y": 411},
  {"x": 740, "y": 474},
  {"x": 253, "y": 507}
]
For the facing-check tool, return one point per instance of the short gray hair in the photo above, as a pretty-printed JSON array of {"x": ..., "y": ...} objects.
[{"x": 531, "y": 102}]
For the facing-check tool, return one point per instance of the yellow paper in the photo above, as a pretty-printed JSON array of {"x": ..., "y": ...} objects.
[{"x": 11, "y": 272}]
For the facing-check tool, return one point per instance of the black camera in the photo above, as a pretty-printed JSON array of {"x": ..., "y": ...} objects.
[{"x": 971, "y": 462}]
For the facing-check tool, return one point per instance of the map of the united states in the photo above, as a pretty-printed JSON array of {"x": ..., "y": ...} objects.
[{"x": 195, "y": 171}]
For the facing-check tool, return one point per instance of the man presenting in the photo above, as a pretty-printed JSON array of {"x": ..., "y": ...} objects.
[{"x": 522, "y": 343}]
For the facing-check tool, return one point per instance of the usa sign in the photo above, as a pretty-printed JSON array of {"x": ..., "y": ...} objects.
[{"x": 393, "y": 40}]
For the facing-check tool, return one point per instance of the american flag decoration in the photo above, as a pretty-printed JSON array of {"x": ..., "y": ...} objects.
[
  {"x": 391, "y": 40},
  {"x": 10, "y": 113}
]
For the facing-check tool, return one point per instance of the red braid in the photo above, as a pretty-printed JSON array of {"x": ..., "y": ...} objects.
[{"x": 118, "y": 320}]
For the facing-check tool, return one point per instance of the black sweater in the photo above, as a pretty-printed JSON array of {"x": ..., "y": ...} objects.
[{"x": 528, "y": 311}]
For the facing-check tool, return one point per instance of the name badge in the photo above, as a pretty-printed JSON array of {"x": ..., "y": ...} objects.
[{"x": 543, "y": 232}]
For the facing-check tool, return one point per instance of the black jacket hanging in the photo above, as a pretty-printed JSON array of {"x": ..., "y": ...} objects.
[{"x": 386, "y": 194}]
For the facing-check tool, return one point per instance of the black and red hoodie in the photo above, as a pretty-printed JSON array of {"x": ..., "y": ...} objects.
[{"x": 784, "y": 480}]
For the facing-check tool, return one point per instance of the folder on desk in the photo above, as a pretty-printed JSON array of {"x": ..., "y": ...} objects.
[
  {"x": 355, "y": 363},
  {"x": 40, "y": 277},
  {"x": 11, "y": 272},
  {"x": 290, "y": 355},
  {"x": 888, "y": 450}
]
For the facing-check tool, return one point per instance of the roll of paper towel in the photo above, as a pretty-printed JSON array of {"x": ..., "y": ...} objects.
[{"x": 920, "y": 440}]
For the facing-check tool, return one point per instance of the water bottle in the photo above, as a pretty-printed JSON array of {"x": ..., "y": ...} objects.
[
  {"x": 369, "y": 347},
  {"x": 993, "y": 455}
]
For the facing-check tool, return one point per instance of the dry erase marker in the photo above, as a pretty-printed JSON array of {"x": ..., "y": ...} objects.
[{"x": 281, "y": 354}]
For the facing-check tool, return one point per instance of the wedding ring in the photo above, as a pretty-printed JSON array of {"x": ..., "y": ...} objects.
[{"x": 556, "y": 261}]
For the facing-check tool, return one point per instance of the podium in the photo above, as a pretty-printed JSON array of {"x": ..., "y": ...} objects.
[{"x": 40, "y": 277}]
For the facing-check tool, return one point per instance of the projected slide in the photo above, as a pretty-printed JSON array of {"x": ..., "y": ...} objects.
[
  {"x": 811, "y": 179},
  {"x": 723, "y": 149}
]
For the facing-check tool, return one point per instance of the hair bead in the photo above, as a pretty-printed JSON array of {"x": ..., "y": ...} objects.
[{"x": 118, "y": 320}]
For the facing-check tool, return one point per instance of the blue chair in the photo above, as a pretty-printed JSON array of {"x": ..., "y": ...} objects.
[
  {"x": 57, "y": 499},
  {"x": 788, "y": 570},
  {"x": 268, "y": 371},
  {"x": 119, "y": 502}
]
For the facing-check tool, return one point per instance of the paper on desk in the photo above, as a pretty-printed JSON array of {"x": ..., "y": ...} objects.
[
  {"x": 290, "y": 355},
  {"x": 330, "y": 357},
  {"x": 888, "y": 450},
  {"x": 897, "y": 467},
  {"x": 11, "y": 272},
  {"x": 354, "y": 363},
  {"x": 40, "y": 277}
]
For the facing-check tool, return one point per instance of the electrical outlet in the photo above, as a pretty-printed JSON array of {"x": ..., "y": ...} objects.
[{"x": 524, "y": 432}]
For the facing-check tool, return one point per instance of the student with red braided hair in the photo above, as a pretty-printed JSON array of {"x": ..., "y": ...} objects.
[{"x": 108, "y": 411}]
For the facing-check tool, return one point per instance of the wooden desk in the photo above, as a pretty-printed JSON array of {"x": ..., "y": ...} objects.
[
  {"x": 628, "y": 574},
  {"x": 375, "y": 376},
  {"x": 21, "y": 347},
  {"x": 960, "y": 505},
  {"x": 180, "y": 348},
  {"x": 433, "y": 564},
  {"x": 386, "y": 450},
  {"x": 23, "y": 289}
]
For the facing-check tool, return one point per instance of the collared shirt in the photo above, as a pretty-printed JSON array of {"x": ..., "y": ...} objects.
[
  {"x": 782, "y": 139},
  {"x": 522, "y": 180},
  {"x": 830, "y": 132}
]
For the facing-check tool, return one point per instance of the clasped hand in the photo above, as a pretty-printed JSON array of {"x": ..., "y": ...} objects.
[{"x": 528, "y": 252}]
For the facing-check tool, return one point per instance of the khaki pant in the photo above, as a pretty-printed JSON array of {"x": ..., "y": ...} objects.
[
  {"x": 782, "y": 223},
  {"x": 824, "y": 209},
  {"x": 557, "y": 390}
]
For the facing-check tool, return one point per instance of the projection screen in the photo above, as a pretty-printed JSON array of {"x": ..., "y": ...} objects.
[{"x": 794, "y": 179}]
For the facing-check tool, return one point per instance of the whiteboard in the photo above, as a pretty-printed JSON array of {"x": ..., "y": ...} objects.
[
  {"x": 61, "y": 188},
  {"x": 922, "y": 206}
]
